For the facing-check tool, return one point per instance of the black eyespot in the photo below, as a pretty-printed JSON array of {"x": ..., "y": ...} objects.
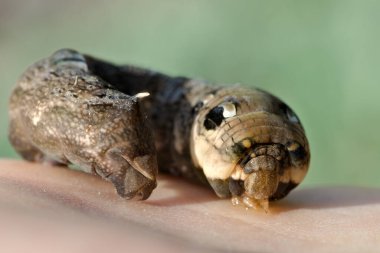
[
  {"x": 289, "y": 113},
  {"x": 214, "y": 118}
]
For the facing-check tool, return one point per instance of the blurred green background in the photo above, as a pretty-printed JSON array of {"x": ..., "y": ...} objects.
[{"x": 321, "y": 57}]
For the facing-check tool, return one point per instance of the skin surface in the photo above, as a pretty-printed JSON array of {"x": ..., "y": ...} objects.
[
  {"x": 245, "y": 143},
  {"x": 60, "y": 112},
  {"x": 50, "y": 209}
]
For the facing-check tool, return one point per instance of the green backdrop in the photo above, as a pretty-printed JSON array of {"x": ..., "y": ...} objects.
[{"x": 321, "y": 57}]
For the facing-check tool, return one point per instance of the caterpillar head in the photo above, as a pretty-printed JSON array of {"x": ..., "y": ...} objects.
[{"x": 250, "y": 145}]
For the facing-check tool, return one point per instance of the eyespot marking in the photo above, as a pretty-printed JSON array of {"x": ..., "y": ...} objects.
[
  {"x": 229, "y": 110},
  {"x": 214, "y": 118},
  {"x": 290, "y": 114}
]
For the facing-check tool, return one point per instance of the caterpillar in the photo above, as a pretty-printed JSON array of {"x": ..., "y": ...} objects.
[{"x": 72, "y": 108}]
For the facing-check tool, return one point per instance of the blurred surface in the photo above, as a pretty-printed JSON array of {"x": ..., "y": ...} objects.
[
  {"x": 321, "y": 57},
  {"x": 51, "y": 209}
]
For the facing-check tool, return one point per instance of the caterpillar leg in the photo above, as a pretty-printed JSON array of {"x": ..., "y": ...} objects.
[
  {"x": 250, "y": 202},
  {"x": 257, "y": 195}
]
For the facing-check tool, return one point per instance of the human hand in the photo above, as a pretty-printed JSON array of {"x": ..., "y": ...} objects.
[{"x": 53, "y": 209}]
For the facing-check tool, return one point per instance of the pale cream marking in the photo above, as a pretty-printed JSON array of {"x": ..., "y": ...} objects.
[
  {"x": 75, "y": 81},
  {"x": 297, "y": 174},
  {"x": 207, "y": 99},
  {"x": 142, "y": 95},
  {"x": 36, "y": 118},
  {"x": 210, "y": 160},
  {"x": 246, "y": 143},
  {"x": 229, "y": 110},
  {"x": 238, "y": 174},
  {"x": 293, "y": 147}
]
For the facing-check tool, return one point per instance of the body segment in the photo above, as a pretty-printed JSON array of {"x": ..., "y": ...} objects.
[{"x": 61, "y": 112}]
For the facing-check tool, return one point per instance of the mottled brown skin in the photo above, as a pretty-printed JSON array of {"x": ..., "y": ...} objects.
[
  {"x": 258, "y": 152},
  {"x": 62, "y": 112}
]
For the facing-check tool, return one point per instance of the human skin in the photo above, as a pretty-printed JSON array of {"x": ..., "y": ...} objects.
[{"x": 51, "y": 209}]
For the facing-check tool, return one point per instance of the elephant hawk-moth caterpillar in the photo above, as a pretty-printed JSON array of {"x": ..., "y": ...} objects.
[{"x": 245, "y": 143}]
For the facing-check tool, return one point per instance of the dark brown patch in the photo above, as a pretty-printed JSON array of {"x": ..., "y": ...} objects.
[
  {"x": 282, "y": 190},
  {"x": 236, "y": 187},
  {"x": 298, "y": 154},
  {"x": 221, "y": 187}
]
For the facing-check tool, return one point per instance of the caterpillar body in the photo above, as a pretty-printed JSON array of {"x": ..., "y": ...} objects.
[{"x": 245, "y": 143}]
